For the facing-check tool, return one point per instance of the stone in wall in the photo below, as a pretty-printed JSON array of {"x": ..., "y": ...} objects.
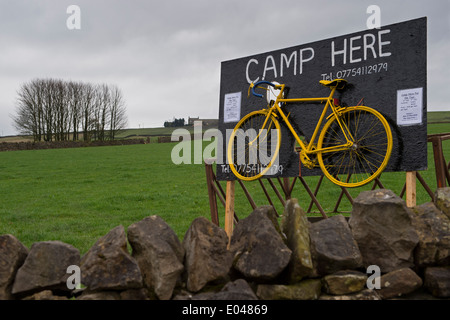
[
  {"x": 158, "y": 253},
  {"x": 333, "y": 246},
  {"x": 207, "y": 256},
  {"x": 442, "y": 200},
  {"x": 308, "y": 289},
  {"x": 108, "y": 265},
  {"x": 295, "y": 226},
  {"x": 398, "y": 283},
  {"x": 382, "y": 225},
  {"x": 12, "y": 256},
  {"x": 433, "y": 229},
  {"x": 437, "y": 281},
  {"x": 45, "y": 267},
  {"x": 258, "y": 250},
  {"x": 344, "y": 282}
]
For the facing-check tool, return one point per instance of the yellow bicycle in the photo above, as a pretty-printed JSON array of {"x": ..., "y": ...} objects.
[{"x": 352, "y": 149}]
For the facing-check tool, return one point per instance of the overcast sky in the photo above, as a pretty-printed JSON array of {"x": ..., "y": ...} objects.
[{"x": 166, "y": 55}]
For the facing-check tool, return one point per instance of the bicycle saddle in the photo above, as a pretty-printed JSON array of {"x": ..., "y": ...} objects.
[{"x": 338, "y": 83}]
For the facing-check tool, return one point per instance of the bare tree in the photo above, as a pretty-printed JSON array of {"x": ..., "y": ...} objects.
[
  {"x": 87, "y": 99},
  {"x": 27, "y": 117},
  {"x": 60, "y": 105},
  {"x": 52, "y": 109},
  {"x": 103, "y": 106},
  {"x": 75, "y": 101},
  {"x": 118, "y": 118}
]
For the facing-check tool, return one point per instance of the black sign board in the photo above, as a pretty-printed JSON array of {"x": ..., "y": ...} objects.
[{"x": 386, "y": 69}]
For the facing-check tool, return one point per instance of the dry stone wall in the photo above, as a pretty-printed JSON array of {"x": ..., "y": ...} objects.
[
  {"x": 384, "y": 251},
  {"x": 17, "y": 146}
]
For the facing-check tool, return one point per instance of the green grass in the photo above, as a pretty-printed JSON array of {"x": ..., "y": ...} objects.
[
  {"x": 78, "y": 195},
  {"x": 155, "y": 132},
  {"x": 438, "y": 116}
]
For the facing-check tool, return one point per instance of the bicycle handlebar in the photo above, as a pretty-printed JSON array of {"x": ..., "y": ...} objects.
[{"x": 257, "y": 84}]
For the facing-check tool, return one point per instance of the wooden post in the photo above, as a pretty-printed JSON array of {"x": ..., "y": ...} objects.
[
  {"x": 410, "y": 189},
  {"x": 439, "y": 162},
  {"x": 229, "y": 208},
  {"x": 211, "y": 192}
]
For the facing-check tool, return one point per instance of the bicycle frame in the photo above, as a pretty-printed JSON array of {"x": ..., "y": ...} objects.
[
  {"x": 309, "y": 149},
  {"x": 348, "y": 158}
]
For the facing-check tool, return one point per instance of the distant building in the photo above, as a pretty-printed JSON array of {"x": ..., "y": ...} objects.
[
  {"x": 191, "y": 121},
  {"x": 205, "y": 122}
]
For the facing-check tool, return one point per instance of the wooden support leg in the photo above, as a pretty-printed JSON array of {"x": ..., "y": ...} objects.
[
  {"x": 439, "y": 162},
  {"x": 425, "y": 186},
  {"x": 410, "y": 188},
  {"x": 211, "y": 194},
  {"x": 313, "y": 197},
  {"x": 315, "y": 194},
  {"x": 283, "y": 202},
  {"x": 229, "y": 208},
  {"x": 268, "y": 196},
  {"x": 247, "y": 194}
]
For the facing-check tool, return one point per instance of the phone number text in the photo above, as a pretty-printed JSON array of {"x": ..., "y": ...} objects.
[{"x": 354, "y": 72}]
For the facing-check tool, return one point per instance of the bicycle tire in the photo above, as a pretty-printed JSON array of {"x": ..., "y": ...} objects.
[
  {"x": 367, "y": 158},
  {"x": 249, "y": 160}
]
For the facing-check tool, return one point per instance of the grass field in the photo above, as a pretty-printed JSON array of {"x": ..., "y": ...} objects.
[
  {"x": 78, "y": 195},
  {"x": 438, "y": 117},
  {"x": 132, "y": 133}
]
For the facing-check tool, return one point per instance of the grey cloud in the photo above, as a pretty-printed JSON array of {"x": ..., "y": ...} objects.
[{"x": 166, "y": 55}]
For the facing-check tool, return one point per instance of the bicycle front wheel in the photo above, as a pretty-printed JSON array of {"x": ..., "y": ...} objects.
[
  {"x": 254, "y": 145},
  {"x": 369, "y": 154}
]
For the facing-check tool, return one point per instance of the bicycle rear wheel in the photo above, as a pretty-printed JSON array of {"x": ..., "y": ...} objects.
[
  {"x": 362, "y": 162},
  {"x": 254, "y": 145}
]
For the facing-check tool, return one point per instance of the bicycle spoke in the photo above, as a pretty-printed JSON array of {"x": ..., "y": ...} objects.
[
  {"x": 361, "y": 162},
  {"x": 253, "y": 146}
]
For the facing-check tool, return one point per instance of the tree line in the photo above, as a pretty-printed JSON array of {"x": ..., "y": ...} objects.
[
  {"x": 58, "y": 110},
  {"x": 175, "y": 123}
]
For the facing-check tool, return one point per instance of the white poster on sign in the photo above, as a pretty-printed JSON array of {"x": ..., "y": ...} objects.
[
  {"x": 409, "y": 106},
  {"x": 232, "y": 107}
]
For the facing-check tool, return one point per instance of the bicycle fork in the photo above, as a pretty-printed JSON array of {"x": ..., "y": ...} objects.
[{"x": 263, "y": 129}]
